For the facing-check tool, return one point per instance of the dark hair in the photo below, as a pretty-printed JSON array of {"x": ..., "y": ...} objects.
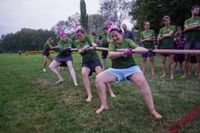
[
  {"x": 81, "y": 31},
  {"x": 145, "y": 22},
  {"x": 50, "y": 38},
  {"x": 115, "y": 29},
  {"x": 195, "y": 6},
  {"x": 165, "y": 17},
  {"x": 93, "y": 33}
]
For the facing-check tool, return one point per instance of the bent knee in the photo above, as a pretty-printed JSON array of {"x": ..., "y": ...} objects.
[
  {"x": 141, "y": 81},
  {"x": 98, "y": 78},
  {"x": 70, "y": 67},
  {"x": 85, "y": 74}
]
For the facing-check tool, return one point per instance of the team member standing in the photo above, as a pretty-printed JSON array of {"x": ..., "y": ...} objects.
[
  {"x": 165, "y": 39},
  {"x": 192, "y": 31},
  {"x": 127, "y": 33},
  {"x": 147, "y": 39},
  {"x": 179, "y": 40}
]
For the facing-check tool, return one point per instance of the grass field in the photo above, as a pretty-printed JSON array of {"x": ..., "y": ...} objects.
[{"x": 31, "y": 102}]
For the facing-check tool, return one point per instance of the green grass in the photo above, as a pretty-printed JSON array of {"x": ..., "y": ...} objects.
[{"x": 30, "y": 101}]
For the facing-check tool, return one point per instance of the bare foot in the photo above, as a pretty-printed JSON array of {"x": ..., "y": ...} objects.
[
  {"x": 184, "y": 76},
  {"x": 163, "y": 76},
  {"x": 101, "y": 109},
  {"x": 156, "y": 115},
  {"x": 112, "y": 95},
  {"x": 172, "y": 77},
  {"x": 59, "y": 81},
  {"x": 76, "y": 84},
  {"x": 89, "y": 99}
]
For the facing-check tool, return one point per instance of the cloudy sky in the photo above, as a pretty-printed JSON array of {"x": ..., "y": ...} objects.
[{"x": 38, "y": 14}]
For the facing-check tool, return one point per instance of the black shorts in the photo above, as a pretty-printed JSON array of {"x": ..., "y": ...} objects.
[
  {"x": 63, "y": 60},
  {"x": 192, "y": 45},
  {"x": 45, "y": 53},
  {"x": 92, "y": 65},
  {"x": 104, "y": 54},
  {"x": 166, "y": 54}
]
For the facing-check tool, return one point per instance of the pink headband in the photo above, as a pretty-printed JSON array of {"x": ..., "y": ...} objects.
[
  {"x": 62, "y": 33},
  {"x": 112, "y": 25},
  {"x": 78, "y": 28}
]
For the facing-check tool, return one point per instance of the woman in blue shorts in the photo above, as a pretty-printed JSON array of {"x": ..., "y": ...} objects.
[{"x": 123, "y": 68}]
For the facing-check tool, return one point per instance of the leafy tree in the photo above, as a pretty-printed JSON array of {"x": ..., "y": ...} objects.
[
  {"x": 154, "y": 10},
  {"x": 25, "y": 39},
  {"x": 84, "y": 16},
  {"x": 96, "y": 23},
  {"x": 67, "y": 25},
  {"x": 115, "y": 10}
]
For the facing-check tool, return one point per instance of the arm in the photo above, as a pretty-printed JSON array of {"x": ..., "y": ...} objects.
[
  {"x": 191, "y": 27},
  {"x": 54, "y": 47},
  {"x": 113, "y": 55},
  {"x": 168, "y": 34},
  {"x": 141, "y": 49},
  {"x": 152, "y": 39},
  {"x": 160, "y": 37},
  {"x": 81, "y": 51}
]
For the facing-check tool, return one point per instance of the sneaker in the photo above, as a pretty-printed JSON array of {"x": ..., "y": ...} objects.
[{"x": 44, "y": 70}]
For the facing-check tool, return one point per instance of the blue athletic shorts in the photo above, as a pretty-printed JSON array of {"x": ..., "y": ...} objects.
[{"x": 123, "y": 74}]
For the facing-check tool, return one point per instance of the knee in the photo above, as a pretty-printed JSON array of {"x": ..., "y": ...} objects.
[
  {"x": 85, "y": 75},
  {"x": 141, "y": 82},
  {"x": 98, "y": 79},
  {"x": 50, "y": 66},
  {"x": 70, "y": 67},
  {"x": 152, "y": 60},
  {"x": 163, "y": 61}
]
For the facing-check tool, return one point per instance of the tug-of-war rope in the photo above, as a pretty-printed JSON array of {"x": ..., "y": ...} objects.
[{"x": 161, "y": 51}]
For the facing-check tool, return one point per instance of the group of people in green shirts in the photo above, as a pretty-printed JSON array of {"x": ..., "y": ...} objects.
[
  {"x": 123, "y": 64},
  {"x": 165, "y": 40}
]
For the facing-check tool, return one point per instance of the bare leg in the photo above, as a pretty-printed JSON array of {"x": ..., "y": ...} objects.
[
  {"x": 143, "y": 85},
  {"x": 104, "y": 63},
  {"x": 101, "y": 80},
  {"x": 108, "y": 86},
  {"x": 152, "y": 67},
  {"x": 163, "y": 67},
  {"x": 198, "y": 66},
  {"x": 181, "y": 66},
  {"x": 45, "y": 63},
  {"x": 171, "y": 67},
  {"x": 86, "y": 82},
  {"x": 54, "y": 68},
  {"x": 98, "y": 70},
  {"x": 144, "y": 60},
  {"x": 50, "y": 58},
  {"x": 72, "y": 72},
  {"x": 186, "y": 66}
]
